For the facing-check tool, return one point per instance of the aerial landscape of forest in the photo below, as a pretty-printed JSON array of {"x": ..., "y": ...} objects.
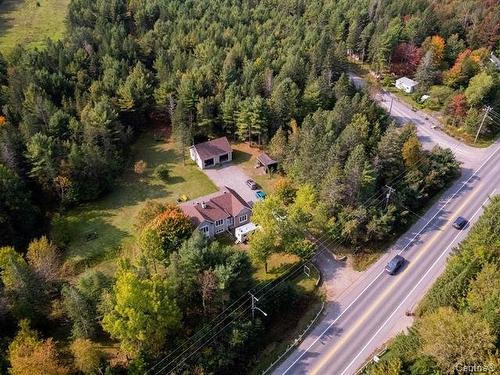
[{"x": 186, "y": 187}]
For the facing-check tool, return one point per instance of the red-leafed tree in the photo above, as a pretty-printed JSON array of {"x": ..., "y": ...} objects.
[
  {"x": 457, "y": 108},
  {"x": 405, "y": 59}
]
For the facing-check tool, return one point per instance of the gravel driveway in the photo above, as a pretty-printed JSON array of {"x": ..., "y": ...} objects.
[{"x": 233, "y": 177}]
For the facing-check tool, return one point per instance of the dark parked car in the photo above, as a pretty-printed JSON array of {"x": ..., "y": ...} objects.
[
  {"x": 395, "y": 264},
  {"x": 252, "y": 184},
  {"x": 459, "y": 223}
]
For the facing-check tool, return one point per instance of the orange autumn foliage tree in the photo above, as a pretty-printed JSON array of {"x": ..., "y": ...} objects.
[
  {"x": 29, "y": 355},
  {"x": 3, "y": 120},
  {"x": 467, "y": 64},
  {"x": 436, "y": 45},
  {"x": 165, "y": 233},
  {"x": 452, "y": 76}
]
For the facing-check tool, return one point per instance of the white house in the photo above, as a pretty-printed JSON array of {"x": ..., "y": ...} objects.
[
  {"x": 211, "y": 153},
  {"x": 406, "y": 84},
  {"x": 221, "y": 213}
]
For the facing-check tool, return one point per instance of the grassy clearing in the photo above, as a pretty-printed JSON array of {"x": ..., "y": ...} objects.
[
  {"x": 277, "y": 264},
  {"x": 286, "y": 329},
  {"x": 466, "y": 138},
  {"x": 111, "y": 219},
  {"x": 30, "y": 22},
  {"x": 246, "y": 158}
]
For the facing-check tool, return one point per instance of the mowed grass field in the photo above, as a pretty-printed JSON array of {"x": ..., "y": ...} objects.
[
  {"x": 98, "y": 232},
  {"x": 30, "y": 22}
]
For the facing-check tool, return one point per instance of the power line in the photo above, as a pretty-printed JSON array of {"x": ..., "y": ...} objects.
[
  {"x": 281, "y": 280},
  {"x": 278, "y": 281}
]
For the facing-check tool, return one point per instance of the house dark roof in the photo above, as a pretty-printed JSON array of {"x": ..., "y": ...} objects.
[
  {"x": 213, "y": 148},
  {"x": 227, "y": 204},
  {"x": 266, "y": 160}
]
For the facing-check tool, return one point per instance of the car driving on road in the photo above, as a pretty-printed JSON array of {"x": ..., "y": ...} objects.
[
  {"x": 394, "y": 265},
  {"x": 460, "y": 223}
]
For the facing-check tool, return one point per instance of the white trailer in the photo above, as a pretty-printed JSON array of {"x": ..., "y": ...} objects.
[{"x": 241, "y": 233}]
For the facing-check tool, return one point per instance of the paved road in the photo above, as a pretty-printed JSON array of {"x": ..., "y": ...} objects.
[
  {"x": 471, "y": 157},
  {"x": 373, "y": 310}
]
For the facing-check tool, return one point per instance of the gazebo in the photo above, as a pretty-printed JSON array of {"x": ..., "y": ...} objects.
[{"x": 267, "y": 162}]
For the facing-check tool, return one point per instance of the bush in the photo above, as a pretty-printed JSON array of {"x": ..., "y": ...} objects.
[
  {"x": 439, "y": 95},
  {"x": 162, "y": 172}
]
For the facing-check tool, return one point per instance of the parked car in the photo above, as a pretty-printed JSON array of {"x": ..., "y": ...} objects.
[
  {"x": 251, "y": 184},
  {"x": 394, "y": 265},
  {"x": 260, "y": 194},
  {"x": 460, "y": 223}
]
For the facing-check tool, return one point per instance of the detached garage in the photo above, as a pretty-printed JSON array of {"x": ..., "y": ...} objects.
[{"x": 211, "y": 153}]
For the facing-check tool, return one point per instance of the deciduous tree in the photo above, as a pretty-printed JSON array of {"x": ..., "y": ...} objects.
[
  {"x": 29, "y": 355},
  {"x": 88, "y": 357},
  {"x": 142, "y": 314},
  {"x": 444, "y": 332},
  {"x": 479, "y": 87},
  {"x": 43, "y": 256}
]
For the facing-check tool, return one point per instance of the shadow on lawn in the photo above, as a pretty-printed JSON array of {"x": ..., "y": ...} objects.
[
  {"x": 240, "y": 157},
  {"x": 7, "y": 7},
  {"x": 92, "y": 238}
]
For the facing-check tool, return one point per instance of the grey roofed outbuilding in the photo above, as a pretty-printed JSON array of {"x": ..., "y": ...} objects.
[{"x": 266, "y": 160}]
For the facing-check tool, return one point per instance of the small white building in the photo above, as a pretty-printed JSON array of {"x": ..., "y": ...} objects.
[
  {"x": 406, "y": 84},
  {"x": 211, "y": 153},
  {"x": 242, "y": 233}
]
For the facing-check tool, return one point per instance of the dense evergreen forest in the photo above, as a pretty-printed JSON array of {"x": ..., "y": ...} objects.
[
  {"x": 241, "y": 68},
  {"x": 268, "y": 72},
  {"x": 462, "y": 307}
]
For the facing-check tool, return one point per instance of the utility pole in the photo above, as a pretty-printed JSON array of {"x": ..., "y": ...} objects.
[
  {"x": 254, "y": 306},
  {"x": 486, "y": 111},
  {"x": 390, "y": 108},
  {"x": 390, "y": 190}
]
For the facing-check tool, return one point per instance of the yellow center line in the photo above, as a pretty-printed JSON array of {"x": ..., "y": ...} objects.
[{"x": 380, "y": 299}]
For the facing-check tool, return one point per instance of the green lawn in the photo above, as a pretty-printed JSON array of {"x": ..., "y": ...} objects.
[
  {"x": 112, "y": 217},
  {"x": 285, "y": 330},
  {"x": 277, "y": 264},
  {"x": 30, "y": 22},
  {"x": 462, "y": 135}
]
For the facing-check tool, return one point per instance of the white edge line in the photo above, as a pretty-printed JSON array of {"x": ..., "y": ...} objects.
[
  {"x": 403, "y": 249},
  {"x": 445, "y": 251}
]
